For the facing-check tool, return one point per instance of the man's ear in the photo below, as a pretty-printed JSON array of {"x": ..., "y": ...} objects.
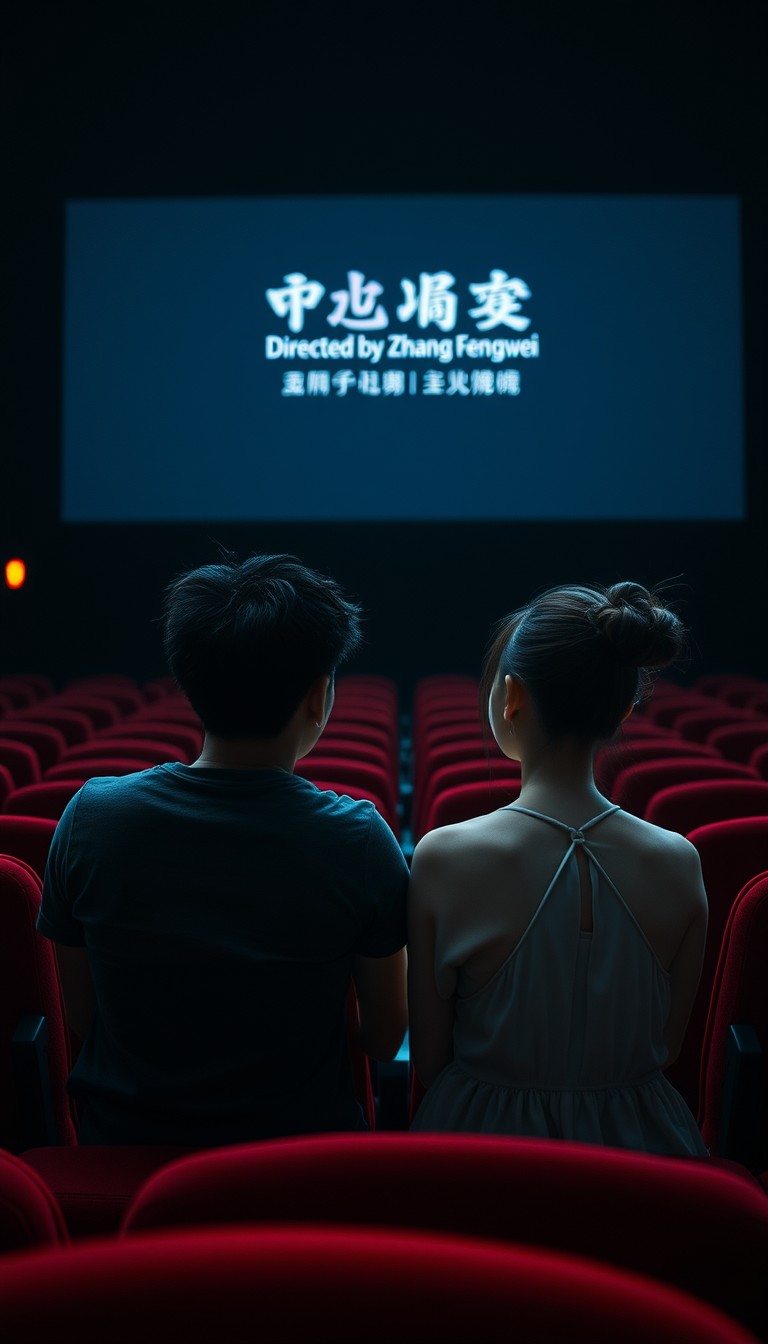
[
  {"x": 514, "y": 692},
  {"x": 319, "y": 700}
]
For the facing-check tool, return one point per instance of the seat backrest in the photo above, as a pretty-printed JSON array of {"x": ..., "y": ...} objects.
[
  {"x": 666, "y": 709},
  {"x": 683, "y": 807},
  {"x": 48, "y": 743},
  {"x": 29, "y": 987},
  {"x": 342, "y": 771},
  {"x": 73, "y": 726},
  {"x": 30, "y": 1214},
  {"x": 683, "y": 1221},
  {"x": 309, "y": 1282},
  {"x": 151, "y": 752},
  {"x": 183, "y": 735},
  {"x": 715, "y": 683},
  {"x": 459, "y": 772},
  {"x": 21, "y": 760},
  {"x": 731, "y": 853},
  {"x": 42, "y": 800},
  {"x": 7, "y": 785},
  {"x": 364, "y": 795},
  {"x": 635, "y": 785},
  {"x": 738, "y": 997},
  {"x": 428, "y": 762},
  {"x": 737, "y": 741},
  {"x": 616, "y": 756},
  {"x": 696, "y": 725},
  {"x": 102, "y": 713},
  {"x": 88, "y": 766},
  {"x": 28, "y": 839},
  {"x": 120, "y": 692},
  {"x": 346, "y": 746},
  {"x": 464, "y": 801}
]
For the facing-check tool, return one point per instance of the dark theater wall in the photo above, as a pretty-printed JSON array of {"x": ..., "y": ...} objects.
[{"x": 271, "y": 99}]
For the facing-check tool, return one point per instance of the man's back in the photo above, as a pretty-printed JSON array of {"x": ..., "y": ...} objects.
[{"x": 221, "y": 910}]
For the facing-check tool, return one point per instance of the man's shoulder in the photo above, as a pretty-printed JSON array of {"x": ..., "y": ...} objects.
[{"x": 102, "y": 787}]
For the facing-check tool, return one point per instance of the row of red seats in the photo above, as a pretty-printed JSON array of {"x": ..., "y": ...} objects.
[
  {"x": 51, "y": 743},
  {"x": 458, "y": 772},
  {"x": 554, "y": 1240}
]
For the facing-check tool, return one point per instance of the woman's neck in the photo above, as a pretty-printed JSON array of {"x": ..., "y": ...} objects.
[{"x": 560, "y": 775}]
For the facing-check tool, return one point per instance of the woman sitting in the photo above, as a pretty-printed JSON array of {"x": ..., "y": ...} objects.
[{"x": 555, "y": 945}]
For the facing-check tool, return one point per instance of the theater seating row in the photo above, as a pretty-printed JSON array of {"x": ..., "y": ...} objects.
[
  {"x": 311, "y": 1237},
  {"x": 452, "y": 769},
  {"x": 51, "y": 742}
]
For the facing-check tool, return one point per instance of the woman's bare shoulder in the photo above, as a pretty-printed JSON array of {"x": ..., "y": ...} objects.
[
  {"x": 670, "y": 845},
  {"x": 465, "y": 850},
  {"x": 666, "y": 858}
]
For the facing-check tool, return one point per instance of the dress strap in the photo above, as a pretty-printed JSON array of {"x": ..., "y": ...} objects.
[{"x": 576, "y": 833}]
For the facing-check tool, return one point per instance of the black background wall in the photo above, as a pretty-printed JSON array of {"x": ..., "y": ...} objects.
[{"x": 549, "y": 97}]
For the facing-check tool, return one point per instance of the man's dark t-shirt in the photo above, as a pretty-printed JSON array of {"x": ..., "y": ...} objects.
[{"x": 221, "y": 910}]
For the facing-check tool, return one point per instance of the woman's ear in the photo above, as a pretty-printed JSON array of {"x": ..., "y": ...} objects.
[{"x": 514, "y": 693}]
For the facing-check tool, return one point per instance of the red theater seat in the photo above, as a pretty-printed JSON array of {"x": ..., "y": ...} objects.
[
  {"x": 472, "y": 771},
  {"x": 738, "y": 742},
  {"x": 465, "y": 801},
  {"x": 731, "y": 853},
  {"x": 364, "y": 795},
  {"x": 30, "y": 1215},
  {"x": 34, "y": 1042},
  {"x": 73, "y": 726},
  {"x": 746, "y": 695},
  {"x": 95, "y": 1184},
  {"x": 665, "y": 710},
  {"x": 320, "y": 1283},
  {"x": 89, "y": 766},
  {"x": 697, "y": 725},
  {"x": 635, "y": 785},
  {"x": 733, "y": 1106},
  {"x": 350, "y": 747},
  {"x": 20, "y": 760},
  {"x": 47, "y": 743},
  {"x": 362, "y": 774},
  {"x": 28, "y": 839},
  {"x": 102, "y": 713},
  {"x": 119, "y": 692},
  {"x": 187, "y": 738},
  {"x": 685, "y": 806},
  {"x": 42, "y": 800},
  {"x": 39, "y": 686},
  {"x": 759, "y": 761},
  {"x": 616, "y": 756},
  {"x": 174, "y": 709},
  {"x": 135, "y": 748},
  {"x": 697, "y": 1227}
]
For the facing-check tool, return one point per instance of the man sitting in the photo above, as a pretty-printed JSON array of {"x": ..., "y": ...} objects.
[{"x": 208, "y": 918}]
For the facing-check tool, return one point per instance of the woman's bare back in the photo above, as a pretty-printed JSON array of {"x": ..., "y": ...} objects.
[{"x": 500, "y": 866}]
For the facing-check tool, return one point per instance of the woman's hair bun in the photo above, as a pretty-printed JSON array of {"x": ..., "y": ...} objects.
[{"x": 640, "y": 629}]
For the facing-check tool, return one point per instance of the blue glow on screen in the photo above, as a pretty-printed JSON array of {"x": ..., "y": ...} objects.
[{"x": 393, "y": 358}]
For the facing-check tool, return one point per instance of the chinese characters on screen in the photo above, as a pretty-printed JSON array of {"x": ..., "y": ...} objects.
[{"x": 433, "y": 302}]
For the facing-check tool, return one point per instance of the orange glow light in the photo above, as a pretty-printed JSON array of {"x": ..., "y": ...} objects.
[{"x": 15, "y": 573}]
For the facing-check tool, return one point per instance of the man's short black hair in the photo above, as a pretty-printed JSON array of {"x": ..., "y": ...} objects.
[{"x": 245, "y": 640}]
